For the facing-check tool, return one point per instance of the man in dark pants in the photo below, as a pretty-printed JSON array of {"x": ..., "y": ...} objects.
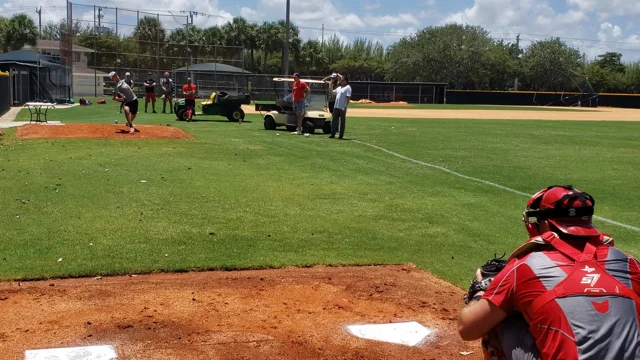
[{"x": 343, "y": 96}]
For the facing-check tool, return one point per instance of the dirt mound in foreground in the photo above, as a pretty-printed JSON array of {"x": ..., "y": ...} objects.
[{"x": 271, "y": 314}]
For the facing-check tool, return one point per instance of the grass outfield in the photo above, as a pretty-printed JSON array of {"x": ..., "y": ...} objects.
[
  {"x": 464, "y": 107},
  {"x": 242, "y": 197}
]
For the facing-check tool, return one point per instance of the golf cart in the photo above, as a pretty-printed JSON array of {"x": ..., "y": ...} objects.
[
  {"x": 221, "y": 104},
  {"x": 282, "y": 113}
]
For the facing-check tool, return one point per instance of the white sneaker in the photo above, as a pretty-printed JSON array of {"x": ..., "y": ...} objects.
[{"x": 299, "y": 132}]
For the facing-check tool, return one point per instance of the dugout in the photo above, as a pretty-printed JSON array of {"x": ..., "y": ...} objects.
[
  {"x": 35, "y": 77},
  {"x": 5, "y": 92},
  {"x": 210, "y": 77}
]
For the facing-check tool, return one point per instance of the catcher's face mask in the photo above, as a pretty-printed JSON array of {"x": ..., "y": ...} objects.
[{"x": 567, "y": 208}]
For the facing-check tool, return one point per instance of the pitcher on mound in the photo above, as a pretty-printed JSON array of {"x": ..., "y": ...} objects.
[{"x": 128, "y": 97}]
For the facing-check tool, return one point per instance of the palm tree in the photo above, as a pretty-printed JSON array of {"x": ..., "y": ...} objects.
[
  {"x": 149, "y": 33},
  {"x": 19, "y": 31},
  {"x": 213, "y": 37},
  {"x": 310, "y": 59},
  {"x": 268, "y": 40}
]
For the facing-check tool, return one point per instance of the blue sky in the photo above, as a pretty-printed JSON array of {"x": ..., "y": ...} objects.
[{"x": 594, "y": 26}]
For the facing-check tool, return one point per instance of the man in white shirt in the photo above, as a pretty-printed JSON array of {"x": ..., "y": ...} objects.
[{"x": 343, "y": 96}]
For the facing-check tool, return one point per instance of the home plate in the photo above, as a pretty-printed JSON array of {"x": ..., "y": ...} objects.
[
  {"x": 76, "y": 353},
  {"x": 407, "y": 333}
]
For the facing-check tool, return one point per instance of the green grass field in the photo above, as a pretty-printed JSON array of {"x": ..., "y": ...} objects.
[{"x": 241, "y": 197}]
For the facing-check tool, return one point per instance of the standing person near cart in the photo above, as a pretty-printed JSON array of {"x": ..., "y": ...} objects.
[
  {"x": 150, "y": 92},
  {"x": 167, "y": 91},
  {"x": 343, "y": 97},
  {"x": 334, "y": 82},
  {"x": 300, "y": 91},
  {"x": 189, "y": 91}
]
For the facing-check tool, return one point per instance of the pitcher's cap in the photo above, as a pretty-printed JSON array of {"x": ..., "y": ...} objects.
[
  {"x": 334, "y": 75},
  {"x": 112, "y": 74}
]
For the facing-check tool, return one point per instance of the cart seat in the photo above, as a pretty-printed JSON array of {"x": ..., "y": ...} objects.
[
  {"x": 284, "y": 104},
  {"x": 212, "y": 98}
]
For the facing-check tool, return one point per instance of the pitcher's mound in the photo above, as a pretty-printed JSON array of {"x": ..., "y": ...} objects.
[{"x": 94, "y": 131}]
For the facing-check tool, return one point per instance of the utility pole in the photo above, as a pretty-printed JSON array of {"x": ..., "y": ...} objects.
[
  {"x": 100, "y": 16},
  {"x": 39, "y": 11},
  {"x": 323, "y": 35},
  {"x": 286, "y": 40}
]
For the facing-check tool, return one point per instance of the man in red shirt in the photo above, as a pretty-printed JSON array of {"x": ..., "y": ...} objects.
[
  {"x": 300, "y": 92},
  {"x": 189, "y": 91},
  {"x": 567, "y": 293}
]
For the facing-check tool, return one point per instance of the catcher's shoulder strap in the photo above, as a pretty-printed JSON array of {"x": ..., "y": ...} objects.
[
  {"x": 542, "y": 241},
  {"x": 582, "y": 279}
]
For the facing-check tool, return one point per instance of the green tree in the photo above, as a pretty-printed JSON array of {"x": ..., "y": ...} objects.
[
  {"x": 547, "y": 65},
  {"x": 632, "y": 77},
  {"x": 452, "y": 53},
  {"x": 150, "y": 37},
  {"x": 310, "y": 59},
  {"x": 19, "y": 31},
  {"x": 603, "y": 79},
  {"x": 611, "y": 61}
]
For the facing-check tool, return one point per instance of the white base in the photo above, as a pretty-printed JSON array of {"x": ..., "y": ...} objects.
[
  {"x": 78, "y": 353},
  {"x": 408, "y": 333}
]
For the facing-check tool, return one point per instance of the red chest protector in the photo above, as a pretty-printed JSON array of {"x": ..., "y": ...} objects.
[{"x": 587, "y": 278}]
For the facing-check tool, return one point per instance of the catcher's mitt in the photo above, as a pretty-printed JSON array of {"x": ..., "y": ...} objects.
[{"x": 488, "y": 271}]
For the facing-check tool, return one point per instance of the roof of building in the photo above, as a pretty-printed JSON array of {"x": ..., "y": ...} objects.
[
  {"x": 223, "y": 68},
  {"x": 25, "y": 56},
  {"x": 55, "y": 45}
]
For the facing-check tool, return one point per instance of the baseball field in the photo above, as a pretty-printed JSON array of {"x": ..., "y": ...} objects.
[{"x": 220, "y": 240}]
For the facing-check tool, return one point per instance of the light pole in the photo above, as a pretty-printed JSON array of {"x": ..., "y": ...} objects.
[{"x": 286, "y": 40}]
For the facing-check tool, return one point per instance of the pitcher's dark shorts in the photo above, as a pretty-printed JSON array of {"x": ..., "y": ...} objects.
[
  {"x": 133, "y": 106},
  {"x": 189, "y": 104}
]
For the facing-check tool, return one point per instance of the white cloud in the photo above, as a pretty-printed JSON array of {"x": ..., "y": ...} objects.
[
  {"x": 386, "y": 20},
  {"x": 608, "y": 7},
  {"x": 609, "y": 32},
  {"x": 370, "y": 6},
  {"x": 250, "y": 14},
  {"x": 396, "y": 34}
]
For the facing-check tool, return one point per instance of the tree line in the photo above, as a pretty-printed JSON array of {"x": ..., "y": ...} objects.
[{"x": 464, "y": 56}]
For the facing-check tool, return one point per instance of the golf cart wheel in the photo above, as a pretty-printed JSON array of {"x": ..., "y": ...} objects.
[
  {"x": 291, "y": 128},
  {"x": 181, "y": 115},
  {"x": 326, "y": 128},
  {"x": 308, "y": 127},
  {"x": 236, "y": 115},
  {"x": 270, "y": 123}
]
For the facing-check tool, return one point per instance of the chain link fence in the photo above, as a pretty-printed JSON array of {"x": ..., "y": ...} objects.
[{"x": 109, "y": 39}]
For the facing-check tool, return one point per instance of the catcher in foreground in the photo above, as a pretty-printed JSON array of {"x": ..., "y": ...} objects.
[{"x": 567, "y": 293}]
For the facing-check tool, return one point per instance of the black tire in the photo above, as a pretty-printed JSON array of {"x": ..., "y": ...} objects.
[
  {"x": 291, "y": 128},
  {"x": 308, "y": 127},
  {"x": 236, "y": 115},
  {"x": 181, "y": 115},
  {"x": 270, "y": 123},
  {"x": 326, "y": 128}
]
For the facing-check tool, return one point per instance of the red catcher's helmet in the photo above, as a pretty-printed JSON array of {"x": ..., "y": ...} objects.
[{"x": 566, "y": 208}]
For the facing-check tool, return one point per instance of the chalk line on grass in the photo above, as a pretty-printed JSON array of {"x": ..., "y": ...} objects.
[{"x": 612, "y": 222}]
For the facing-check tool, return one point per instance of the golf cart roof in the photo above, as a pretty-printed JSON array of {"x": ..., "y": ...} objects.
[{"x": 305, "y": 80}]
